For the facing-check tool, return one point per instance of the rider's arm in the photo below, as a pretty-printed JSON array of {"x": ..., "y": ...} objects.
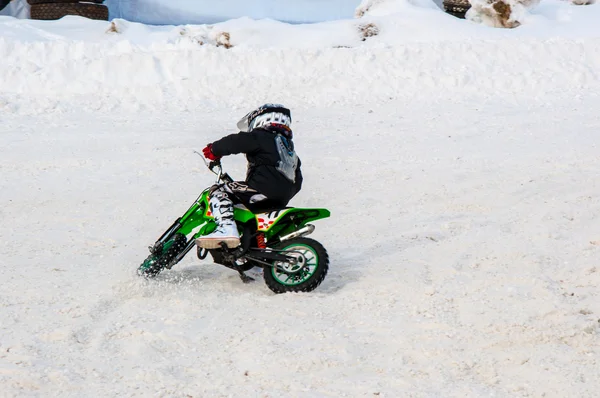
[{"x": 235, "y": 143}]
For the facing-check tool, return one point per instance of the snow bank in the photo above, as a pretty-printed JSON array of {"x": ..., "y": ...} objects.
[
  {"x": 390, "y": 7},
  {"x": 106, "y": 77},
  {"x": 501, "y": 13},
  {"x": 131, "y": 65},
  {"x": 397, "y": 48}
]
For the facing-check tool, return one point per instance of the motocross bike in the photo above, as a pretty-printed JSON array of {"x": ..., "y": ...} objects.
[{"x": 274, "y": 241}]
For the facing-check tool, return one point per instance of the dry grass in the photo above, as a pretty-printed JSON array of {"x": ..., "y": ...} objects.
[
  {"x": 503, "y": 13},
  {"x": 224, "y": 40},
  {"x": 368, "y": 30},
  {"x": 364, "y": 7},
  {"x": 498, "y": 13},
  {"x": 360, "y": 11},
  {"x": 113, "y": 28},
  {"x": 197, "y": 38}
]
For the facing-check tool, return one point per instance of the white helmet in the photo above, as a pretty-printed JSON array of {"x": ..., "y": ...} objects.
[{"x": 264, "y": 116}]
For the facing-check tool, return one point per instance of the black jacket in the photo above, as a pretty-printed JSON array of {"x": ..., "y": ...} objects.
[{"x": 262, "y": 154}]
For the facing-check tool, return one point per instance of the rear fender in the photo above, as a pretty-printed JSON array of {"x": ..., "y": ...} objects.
[{"x": 285, "y": 221}]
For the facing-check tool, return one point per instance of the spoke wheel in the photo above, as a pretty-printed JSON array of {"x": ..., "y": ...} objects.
[
  {"x": 304, "y": 275},
  {"x": 155, "y": 263}
]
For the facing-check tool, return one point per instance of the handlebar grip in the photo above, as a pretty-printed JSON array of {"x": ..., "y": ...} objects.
[{"x": 213, "y": 164}]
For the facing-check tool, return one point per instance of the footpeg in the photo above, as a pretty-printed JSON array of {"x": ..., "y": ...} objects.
[
  {"x": 245, "y": 278},
  {"x": 202, "y": 253}
]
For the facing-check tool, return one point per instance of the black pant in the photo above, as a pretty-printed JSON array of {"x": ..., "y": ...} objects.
[{"x": 239, "y": 192}]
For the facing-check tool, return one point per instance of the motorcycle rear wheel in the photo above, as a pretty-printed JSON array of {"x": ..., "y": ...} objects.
[{"x": 315, "y": 264}]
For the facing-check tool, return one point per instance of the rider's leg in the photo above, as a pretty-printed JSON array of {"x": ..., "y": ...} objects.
[
  {"x": 221, "y": 206},
  {"x": 221, "y": 200}
]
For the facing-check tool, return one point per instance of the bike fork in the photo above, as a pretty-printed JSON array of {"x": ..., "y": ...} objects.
[
  {"x": 166, "y": 236},
  {"x": 181, "y": 255}
]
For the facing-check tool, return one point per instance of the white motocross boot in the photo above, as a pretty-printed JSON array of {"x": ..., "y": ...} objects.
[{"x": 226, "y": 232}]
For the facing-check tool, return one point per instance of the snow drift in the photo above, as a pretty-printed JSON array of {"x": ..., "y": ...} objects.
[{"x": 400, "y": 53}]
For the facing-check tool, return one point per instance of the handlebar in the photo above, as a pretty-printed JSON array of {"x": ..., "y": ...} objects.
[{"x": 216, "y": 164}]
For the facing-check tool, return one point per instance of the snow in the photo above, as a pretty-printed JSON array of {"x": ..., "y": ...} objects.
[
  {"x": 460, "y": 164},
  {"x": 15, "y": 8},
  {"x": 176, "y": 12}
]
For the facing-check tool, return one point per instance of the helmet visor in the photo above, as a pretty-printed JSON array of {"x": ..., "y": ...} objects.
[{"x": 244, "y": 123}]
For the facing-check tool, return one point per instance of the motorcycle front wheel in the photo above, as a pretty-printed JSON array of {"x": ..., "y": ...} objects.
[{"x": 156, "y": 262}]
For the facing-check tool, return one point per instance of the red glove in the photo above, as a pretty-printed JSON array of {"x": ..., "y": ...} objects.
[{"x": 208, "y": 153}]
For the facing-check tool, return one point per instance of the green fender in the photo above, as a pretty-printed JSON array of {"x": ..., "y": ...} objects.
[{"x": 280, "y": 222}]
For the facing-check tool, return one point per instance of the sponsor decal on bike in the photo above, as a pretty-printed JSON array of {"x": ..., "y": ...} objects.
[{"x": 266, "y": 220}]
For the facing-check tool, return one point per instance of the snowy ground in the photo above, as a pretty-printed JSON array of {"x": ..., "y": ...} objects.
[
  {"x": 464, "y": 258},
  {"x": 464, "y": 242}
]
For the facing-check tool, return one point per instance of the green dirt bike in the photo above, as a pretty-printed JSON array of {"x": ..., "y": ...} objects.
[{"x": 273, "y": 241}]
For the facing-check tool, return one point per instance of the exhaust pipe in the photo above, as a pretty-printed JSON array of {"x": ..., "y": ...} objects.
[{"x": 306, "y": 230}]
